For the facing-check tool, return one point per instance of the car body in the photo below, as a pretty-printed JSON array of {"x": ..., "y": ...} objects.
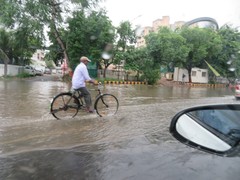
[
  {"x": 47, "y": 71},
  {"x": 39, "y": 72},
  {"x": 30, "y": 70}
]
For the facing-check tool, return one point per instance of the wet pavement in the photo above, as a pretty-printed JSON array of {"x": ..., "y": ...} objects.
[{"x": 134, "y": 144}]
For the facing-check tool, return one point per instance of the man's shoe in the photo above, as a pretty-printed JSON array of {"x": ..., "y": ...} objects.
[{"x": 90, "y": 111}]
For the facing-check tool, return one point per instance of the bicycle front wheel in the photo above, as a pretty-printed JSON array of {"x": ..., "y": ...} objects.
[
  {"x": 65, "y": 106},
  {"x": 106, "y": 105}
]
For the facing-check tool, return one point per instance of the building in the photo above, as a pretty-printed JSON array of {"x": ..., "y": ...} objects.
[
  {"x": 177, "y": 24},
  {"x": 198, "y": 75},
  {"x": 164, "y": 22},
  {"x": 37, "y": 60},
  {"x": 38, "y": 55},
  {"x": 141, "y": 38}
]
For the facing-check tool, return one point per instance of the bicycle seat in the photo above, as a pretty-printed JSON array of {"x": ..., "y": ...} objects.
[{"x": 77, "y": 92}]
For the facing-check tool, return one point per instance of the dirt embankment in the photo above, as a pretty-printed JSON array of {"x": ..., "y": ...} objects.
[{"x": 165, "y": 82}]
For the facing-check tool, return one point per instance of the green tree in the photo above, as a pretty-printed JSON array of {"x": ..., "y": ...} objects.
[
  {"x": 36, "y": 15},
  {"x": 5, "y": 47},
  {"x": 135, "y": 59},
  {"x": 5, "y": 58},
  {"x": 203, "y": 44},
  {"x": 15, "y": 47},
  {"x": 138, "y": 59},
  {"x": 167, "y": 47},
  {"x": 88, "y": 36},
  {"x": 125, "y": 39},
  {"x": 126, "y": 36},
  {"x": 228, "y": 59}
]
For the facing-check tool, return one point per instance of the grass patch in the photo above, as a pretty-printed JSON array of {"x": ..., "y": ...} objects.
[{"x": 23, "y": 75}]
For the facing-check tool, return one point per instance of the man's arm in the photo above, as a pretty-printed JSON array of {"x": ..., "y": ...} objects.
[{"x": 87, "y": 77}]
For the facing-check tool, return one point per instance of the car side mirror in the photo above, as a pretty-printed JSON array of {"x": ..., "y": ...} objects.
[{"x": 214, "y": 128}]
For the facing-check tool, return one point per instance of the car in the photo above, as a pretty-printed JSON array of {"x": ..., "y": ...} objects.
[
  {"x": 214, "y": 129},
  {"x": 39, "y": 72},
  {"x": 30, "y": 70},
  {"x": 237, "y": 90},
  {"x": 47, "y": 71}
]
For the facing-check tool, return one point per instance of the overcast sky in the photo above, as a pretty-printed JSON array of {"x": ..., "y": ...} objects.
[{"x": 143, "y": 12}]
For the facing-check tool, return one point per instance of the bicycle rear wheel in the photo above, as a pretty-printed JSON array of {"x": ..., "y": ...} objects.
[
  {"x": 106, "y": 105},
  {"x": 65, "y": 106}
]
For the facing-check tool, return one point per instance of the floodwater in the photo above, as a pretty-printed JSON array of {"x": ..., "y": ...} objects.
[{"x": 134, "y": 144}]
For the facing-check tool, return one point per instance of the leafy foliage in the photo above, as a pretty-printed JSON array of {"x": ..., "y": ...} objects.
[
  {"x": 167, "y": 47},
  {"x": 88, "y": 35},
  {"x": 203, "y": 44},
  {"x": 229, "y": 56},
  {"x": 150, "y": 73},
  {"x": 126, "y": 36},
  {"x": 32, "y": 16},
  {"x": 17, "y": 45}
]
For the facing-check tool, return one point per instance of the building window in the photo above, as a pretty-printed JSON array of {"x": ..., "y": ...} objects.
[
  {"x": 194, "y": 73},
  {"x": 204, "y": 74}
]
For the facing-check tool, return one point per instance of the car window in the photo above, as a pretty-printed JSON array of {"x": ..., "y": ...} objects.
[{"x": 222, "y": 123}]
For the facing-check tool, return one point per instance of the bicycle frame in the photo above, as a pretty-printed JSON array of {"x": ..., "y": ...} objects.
[{"x": 79, "y": 95}]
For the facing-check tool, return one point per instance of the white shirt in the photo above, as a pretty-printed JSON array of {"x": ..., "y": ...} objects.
[{"x": 80, "y": 75}]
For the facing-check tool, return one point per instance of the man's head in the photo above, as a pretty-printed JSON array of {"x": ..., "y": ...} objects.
[{"x": 84, "y": 60}]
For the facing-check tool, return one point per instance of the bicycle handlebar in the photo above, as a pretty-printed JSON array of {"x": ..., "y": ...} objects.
[{"x": 99, "y": 86}]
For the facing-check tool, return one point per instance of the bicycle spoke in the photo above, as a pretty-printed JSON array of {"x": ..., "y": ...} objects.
[
  {"x": 106, "y": 105},
  {"x": 64, "y": 106}
]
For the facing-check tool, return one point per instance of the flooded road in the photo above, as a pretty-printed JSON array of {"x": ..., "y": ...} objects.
[{"x": 134, "y": 144}]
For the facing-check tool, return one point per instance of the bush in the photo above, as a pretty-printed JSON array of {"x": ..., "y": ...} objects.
[
  {"x": 151, "y": 76},
  {"x": 23, "y": 75}
]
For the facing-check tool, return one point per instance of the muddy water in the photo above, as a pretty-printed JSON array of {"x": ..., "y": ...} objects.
[{"x": 134, "y": 144}]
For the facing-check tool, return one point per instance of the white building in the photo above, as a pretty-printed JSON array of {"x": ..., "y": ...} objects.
[
  {"x": 37, "y": 60},
  {"x": 198, "y": 75}
]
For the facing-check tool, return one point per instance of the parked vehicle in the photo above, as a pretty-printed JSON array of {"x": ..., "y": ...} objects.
[
  {"x": 47, "y": 71},
  {"x": 237, "y": 90},
  {"x": 30, "y": 70},
  {"x": 39, "y": 72}
]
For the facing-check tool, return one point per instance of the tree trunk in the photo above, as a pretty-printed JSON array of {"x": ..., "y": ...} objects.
[
  {"x": 5, "y": 59},
  {"x": 56, "y": 33},
  {"x": 5, "y": 68},
  {"x": 189, "y": 75},
  {"x": 104, "y": 73},
  {"x": 105, "y": 69}
]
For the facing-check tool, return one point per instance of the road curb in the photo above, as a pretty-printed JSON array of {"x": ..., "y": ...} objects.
[{"x": 124, "y": 82}]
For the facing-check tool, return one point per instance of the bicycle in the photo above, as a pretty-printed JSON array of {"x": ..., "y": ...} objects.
[{"x": 67, "y": 104}]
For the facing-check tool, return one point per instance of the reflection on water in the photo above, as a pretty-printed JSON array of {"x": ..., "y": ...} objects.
[{"x": 34, "y": 143}]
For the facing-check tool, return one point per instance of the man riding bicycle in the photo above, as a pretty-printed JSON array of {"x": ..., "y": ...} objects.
[{"x": 79, "y": 79}]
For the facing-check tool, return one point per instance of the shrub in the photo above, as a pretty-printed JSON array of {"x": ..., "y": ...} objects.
[{"x": 24, "y": 75}]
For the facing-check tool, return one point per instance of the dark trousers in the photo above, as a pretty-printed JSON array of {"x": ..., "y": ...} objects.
[{"x": 86, "y": 95}]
